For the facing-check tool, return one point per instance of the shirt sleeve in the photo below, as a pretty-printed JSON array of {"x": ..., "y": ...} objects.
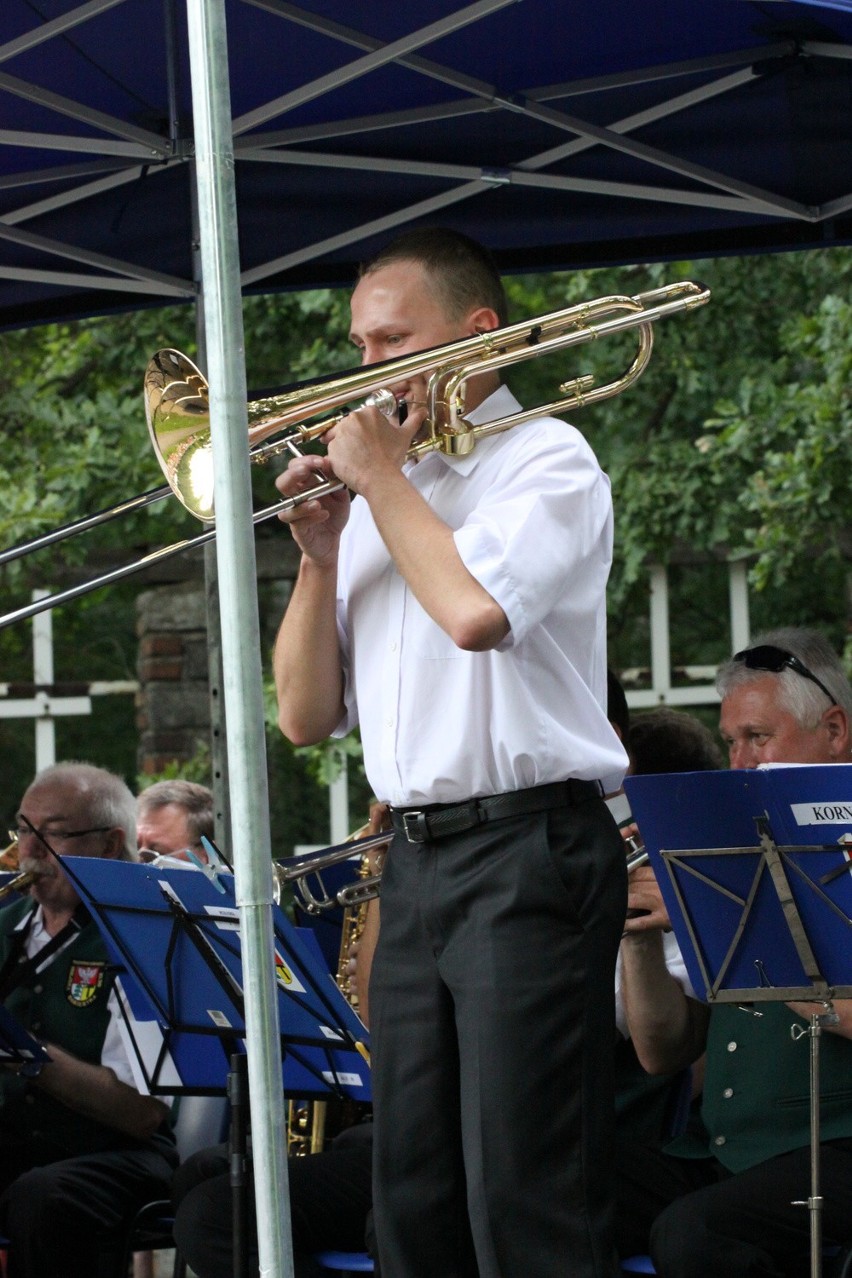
[
  {"x": 543, "y": 529},
  {"x": 113, "y": 1053}
]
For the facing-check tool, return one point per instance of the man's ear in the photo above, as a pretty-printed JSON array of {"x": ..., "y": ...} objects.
[
  {"x": 836, "y": 723},
  {"x": 482, "y": 320},
  {"x": 115, "y": 844}
]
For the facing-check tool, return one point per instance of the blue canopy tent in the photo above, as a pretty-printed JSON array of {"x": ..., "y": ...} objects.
[
  {"x": 148, "y": 156},
  {"x": 561, "y": 133}
]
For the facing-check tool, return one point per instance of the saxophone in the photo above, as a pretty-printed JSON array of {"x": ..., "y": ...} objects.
[{"x": 307, "y": 1119}]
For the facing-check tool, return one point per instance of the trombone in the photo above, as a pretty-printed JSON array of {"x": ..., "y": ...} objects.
[{"x": 178, "y": 417}]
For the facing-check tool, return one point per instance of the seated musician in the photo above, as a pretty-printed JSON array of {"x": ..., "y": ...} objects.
[
  {"x": 727, "y": 1201},
  {"x": 658, "y": 740},
  {"x": 171, "y": 819},
  {"x": 82, "y": 1148}
]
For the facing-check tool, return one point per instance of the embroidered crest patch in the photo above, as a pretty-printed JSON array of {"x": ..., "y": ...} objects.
[{"x": 84, "y": 981}]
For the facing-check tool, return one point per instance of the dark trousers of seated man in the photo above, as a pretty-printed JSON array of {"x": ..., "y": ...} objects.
[
  {"x": 64, "y": 1218},
  {"x": 330, "y": 1198},
  {"x": 699, "y": 1220}
]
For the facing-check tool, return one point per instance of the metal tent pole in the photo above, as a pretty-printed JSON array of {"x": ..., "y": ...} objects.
[{"x": 240, "y": 629}]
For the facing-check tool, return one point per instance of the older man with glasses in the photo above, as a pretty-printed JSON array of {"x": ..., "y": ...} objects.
[
  {"x": 82, "y": 1148},
  {"x": 726, "y": 1198},
  {"x": 172, "y": 820}
]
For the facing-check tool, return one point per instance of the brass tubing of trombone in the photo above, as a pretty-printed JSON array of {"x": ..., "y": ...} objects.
[
  {"x": 177, "y": 405},
  {"x": 84, "y": 524}
]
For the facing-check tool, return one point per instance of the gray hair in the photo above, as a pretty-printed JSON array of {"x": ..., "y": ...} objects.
[
  {"x": 799, "y": 696},
  {"x": 196, "y": 801},
  {"x": 110, "y": 800}
]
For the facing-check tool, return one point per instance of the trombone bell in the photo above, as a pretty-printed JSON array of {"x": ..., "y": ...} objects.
[{"x": 178, "y": 415}]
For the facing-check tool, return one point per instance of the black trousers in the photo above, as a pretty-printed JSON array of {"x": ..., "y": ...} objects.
[
  {"x": 698, "y": 1220},
  {"x": 492, "y": 1025},
  {"x": 61, "y": 1216},
  {"x": 330, "y": 1196}
]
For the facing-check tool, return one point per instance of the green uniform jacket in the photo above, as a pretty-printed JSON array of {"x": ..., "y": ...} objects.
[
  {"x": 756, "y": 1101},
  {"x": 64, "y": 1003}
]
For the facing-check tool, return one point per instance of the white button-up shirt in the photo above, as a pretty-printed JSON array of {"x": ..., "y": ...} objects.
[{"x": 532, "y": 518}]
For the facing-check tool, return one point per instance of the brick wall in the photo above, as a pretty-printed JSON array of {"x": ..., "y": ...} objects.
[{"x": 173, "y": 702}]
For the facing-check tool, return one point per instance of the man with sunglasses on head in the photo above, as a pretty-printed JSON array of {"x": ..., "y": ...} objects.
[
  {"x": 727, "y": 1197},
  {"x": 785, "y": 699},
  {"x": 82, "y": 1148}
]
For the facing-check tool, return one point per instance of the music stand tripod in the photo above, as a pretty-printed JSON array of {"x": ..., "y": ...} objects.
[
  {"x": 174, "y": 935},
  {"x": 780, "y": 890}
]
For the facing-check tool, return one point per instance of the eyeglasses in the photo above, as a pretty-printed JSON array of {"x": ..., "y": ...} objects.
[
  {"x": 58, "y": 836},
  {"x": 774, "y": 660}
]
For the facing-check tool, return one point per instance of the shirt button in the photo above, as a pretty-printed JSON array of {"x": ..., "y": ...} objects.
[
  {"x": 36, "y": 1025},
  {"x": 393, "y": 645},
  {"x": 719, "y": 1140},
  {"x": 728, "y": 1093},
  {"x": 38, "y": 989},
  {"x": 732, "y": 1047}
]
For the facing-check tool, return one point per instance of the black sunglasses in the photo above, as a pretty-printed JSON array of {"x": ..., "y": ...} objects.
[{"x": 774, "y": 660}]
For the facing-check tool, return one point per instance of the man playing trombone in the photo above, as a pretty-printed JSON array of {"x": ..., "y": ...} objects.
[{"x": 455, "y": 611}]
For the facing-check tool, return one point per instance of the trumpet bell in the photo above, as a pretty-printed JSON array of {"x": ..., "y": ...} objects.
[{"x": 9, "y": 856}]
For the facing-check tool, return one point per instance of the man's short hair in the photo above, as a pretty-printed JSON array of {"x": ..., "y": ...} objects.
[
  {"x": 463, "y": 271},
  {"x": 109, "y": 798},
  {"x": 196, "y": 801},
  {"x": 617, "y": 710},
  {"x": 667, "y": 740},
  {"x": 797, "y": 694}
]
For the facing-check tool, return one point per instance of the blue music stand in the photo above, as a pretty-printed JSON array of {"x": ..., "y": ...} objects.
[
  {"x": 755, "y": 877},
  {"x": 174, "y": 936},
  {"x": 755, "y": 868}
]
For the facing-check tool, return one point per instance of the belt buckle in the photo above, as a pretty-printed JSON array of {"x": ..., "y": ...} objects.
[{"x": 414, "y": 826}]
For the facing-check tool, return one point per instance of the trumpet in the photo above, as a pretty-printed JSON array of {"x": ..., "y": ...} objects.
[
  {"x": 637, "y": 853},
  {"x": 9, "y": 856},
  {"x": 305, "y": 875},
  {"x": 177, "y": 410},
  {"x": 18, "y": 884}
]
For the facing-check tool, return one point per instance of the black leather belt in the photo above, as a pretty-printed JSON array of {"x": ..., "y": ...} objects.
[{"x": 438, "y": 820}]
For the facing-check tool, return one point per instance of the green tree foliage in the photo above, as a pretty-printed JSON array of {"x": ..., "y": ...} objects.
[{"x": 736, "y": 440}]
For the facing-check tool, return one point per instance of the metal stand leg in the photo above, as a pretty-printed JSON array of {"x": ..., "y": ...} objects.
[
  {"x": 237, "y": 1145},
  {"x": 814, "y": 1202}
]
